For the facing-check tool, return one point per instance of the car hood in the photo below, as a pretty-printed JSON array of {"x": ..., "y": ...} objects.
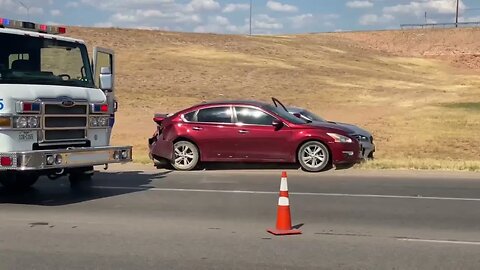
[
  {"x": 334, "y": 127},
  {"x": 356, "y": 129}
]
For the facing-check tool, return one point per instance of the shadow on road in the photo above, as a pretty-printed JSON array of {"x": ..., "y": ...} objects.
[
  {"x": 56, "y": 193},
  {"x": 249, "y": 166}
]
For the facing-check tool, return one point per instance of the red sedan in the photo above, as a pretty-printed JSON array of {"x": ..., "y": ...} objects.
[{"x": 249, "y": 131}]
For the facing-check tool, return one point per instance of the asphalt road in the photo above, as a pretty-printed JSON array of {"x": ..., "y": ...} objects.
[{"x": 218, "y": 219}]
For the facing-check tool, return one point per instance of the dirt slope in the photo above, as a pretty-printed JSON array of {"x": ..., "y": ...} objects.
[
  {"x": 400, "y": 85},
  {"x": 458, "y": 46}
]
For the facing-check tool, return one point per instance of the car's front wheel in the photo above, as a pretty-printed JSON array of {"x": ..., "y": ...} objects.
[
  {"x": 314, "y": 156},
  {"x": 186, "y": 156}
]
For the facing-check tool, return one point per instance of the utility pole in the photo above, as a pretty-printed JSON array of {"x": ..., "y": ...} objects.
[
  {"x": 456, "y": 16},
  {"x": 426, "y": 17},
  {"x": 250, "y": 17}
]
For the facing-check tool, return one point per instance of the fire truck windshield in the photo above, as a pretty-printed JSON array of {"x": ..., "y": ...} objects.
[{"x": 32, "y": 60}]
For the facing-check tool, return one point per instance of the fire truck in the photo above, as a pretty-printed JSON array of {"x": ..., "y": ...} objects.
[{"x": 57, "y": 108}]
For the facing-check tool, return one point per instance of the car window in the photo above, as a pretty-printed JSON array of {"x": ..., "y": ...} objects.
[
  {"x": 312, "y": 116},
  {"x": 251, "y": 116},
  {"x": 215, "y": 115},
  {"x": 190, "y": 117},
  {"x": 284, "y": 114}
]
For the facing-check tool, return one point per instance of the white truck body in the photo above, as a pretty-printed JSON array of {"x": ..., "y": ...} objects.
[{"x": 71, "y": 129}]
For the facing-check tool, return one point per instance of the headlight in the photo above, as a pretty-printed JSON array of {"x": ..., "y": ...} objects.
[
  {"x": 340, "y": 138},
  {"x": 21, "y": 122},
  {"x": 93, "y": 122},
  {"x": 99, "y": 121},
  {"x": 33, "y": 122},
  {"x": 362, "y": 138},
  {"x": 27, "y": 122},
  {"x": 103, "y": 121}
]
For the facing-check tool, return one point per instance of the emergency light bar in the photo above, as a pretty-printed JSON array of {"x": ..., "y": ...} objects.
[{"x": 41, "y": 28}]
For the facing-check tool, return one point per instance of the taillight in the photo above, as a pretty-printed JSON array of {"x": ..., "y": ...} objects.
[{"x": 6, "y": 161}]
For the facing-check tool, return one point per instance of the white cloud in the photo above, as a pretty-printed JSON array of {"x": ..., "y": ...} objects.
[
  {"x": 55, "y": 12},
  {"x": 302, "y": 20},
  {"x": 235, "y": 7},
  {"x": 52, "y": 23},
  {"x": 153, "y": 17},
  {"x": 202, "y": 5},
  {"x": 220, "y": 24},
  {"x": 126, "y": 4},
  {"x": 265, "y": 22},
  {"x": 373, "y": 19},
  {"x": 220, "y": 20},
  {"x": 103, "y": 24},
  {"x": 359, "y": 4},
  {"x": 419, "y": 7},
  {"x": 277, "y": 6},
  {"x": 72, "y": 5}
]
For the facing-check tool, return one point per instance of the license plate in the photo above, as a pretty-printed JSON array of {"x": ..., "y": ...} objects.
[
  {"x": 26, "y": 136},
  {"x": 80, "y": 158}
]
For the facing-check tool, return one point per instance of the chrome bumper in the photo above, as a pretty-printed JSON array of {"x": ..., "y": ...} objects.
[{"x": 67, "y": 158}]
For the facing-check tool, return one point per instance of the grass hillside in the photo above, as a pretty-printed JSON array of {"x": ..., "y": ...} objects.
[{"x": 417, "y": 91}]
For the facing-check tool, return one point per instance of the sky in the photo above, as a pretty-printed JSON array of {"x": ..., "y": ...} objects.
[{"x": 232, "y": 16}]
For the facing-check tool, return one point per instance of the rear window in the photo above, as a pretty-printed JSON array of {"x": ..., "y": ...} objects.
[{"x": 215, "y": 115}]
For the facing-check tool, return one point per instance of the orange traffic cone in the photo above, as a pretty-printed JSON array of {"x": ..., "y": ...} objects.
[{"x": 284, "y": 222}]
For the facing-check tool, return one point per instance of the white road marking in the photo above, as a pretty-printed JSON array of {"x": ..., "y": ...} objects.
[
  {"x": 293, "y": 193},
  {"x": 440, "y": 241}
]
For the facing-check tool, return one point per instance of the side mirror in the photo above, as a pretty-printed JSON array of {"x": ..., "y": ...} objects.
[
  {"x": 277, "y": 124},
  {"x": 106, "y": 83}
]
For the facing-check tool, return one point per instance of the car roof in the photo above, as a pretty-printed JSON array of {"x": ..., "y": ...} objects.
[{"x": 233, "y": 102}]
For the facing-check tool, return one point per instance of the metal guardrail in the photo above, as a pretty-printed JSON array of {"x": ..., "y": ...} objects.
[{"x": 439, "y": 25}]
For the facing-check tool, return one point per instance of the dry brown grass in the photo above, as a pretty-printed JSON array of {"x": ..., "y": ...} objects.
[{"x": 404, "y": 98}]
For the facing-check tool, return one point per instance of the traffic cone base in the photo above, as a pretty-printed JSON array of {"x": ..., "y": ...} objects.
[{"x": 284, "y": 232}]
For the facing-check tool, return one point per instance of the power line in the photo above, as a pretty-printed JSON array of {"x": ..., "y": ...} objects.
[{"x": 24, "y": 6}]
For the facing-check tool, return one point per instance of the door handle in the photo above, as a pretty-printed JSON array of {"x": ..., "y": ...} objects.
[
  {"x": 197, "y": 128},
  {"x": 243, "y": 131}
]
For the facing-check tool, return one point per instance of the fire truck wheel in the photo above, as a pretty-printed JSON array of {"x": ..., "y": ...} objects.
[
  {"x": 18, "y": 181},
  {"x": 81, "y": 178}
]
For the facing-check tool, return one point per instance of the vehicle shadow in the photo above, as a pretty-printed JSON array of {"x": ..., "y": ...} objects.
[
  {"x": 248, "y": 166},
  {"x": 263, "y": 166},
  {"x": 59, "y": 192}
]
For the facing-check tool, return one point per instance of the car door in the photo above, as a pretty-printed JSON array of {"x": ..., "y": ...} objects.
[
  {"x": 105, "y": 58},
  {"x": 258, "y": 139},
  {"x": 214, "y": 132}
]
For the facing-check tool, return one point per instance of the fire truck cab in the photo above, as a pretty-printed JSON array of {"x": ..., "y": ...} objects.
[{"x": 57, "y": 108}]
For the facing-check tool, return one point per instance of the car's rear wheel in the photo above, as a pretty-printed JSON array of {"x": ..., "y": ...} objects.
[
  {"x": 314, "y": 156},
  {"x": 186, "y": 156}
]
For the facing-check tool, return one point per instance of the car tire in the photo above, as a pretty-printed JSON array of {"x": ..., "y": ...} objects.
[
  {"x": 314, "y": 156},
  {"x": 186, "y": 156},
  {"x": 18, "y": 181}
]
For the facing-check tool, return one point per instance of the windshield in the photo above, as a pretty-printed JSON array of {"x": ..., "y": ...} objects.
[
  {"x": 30, "y": 60},
  {"x": 285, "y": 115},
  {"x": 312, "y": 116}
]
